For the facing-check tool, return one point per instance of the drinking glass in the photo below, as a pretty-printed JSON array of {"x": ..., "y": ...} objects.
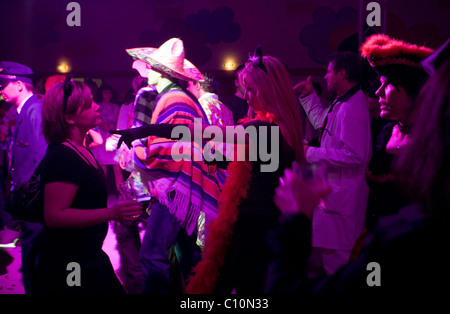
[{"x": 135, "y": 190}]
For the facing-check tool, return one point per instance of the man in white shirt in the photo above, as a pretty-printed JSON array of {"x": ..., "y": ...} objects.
[{"x": 344, "y": 150}]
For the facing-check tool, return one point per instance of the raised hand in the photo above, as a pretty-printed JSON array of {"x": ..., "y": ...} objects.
[
  {"x": 160, "y": 130},
  {"x": 129, "y": 135},
  {"x": 305, "y": 87},
  {"x": 126, "y": 137}
]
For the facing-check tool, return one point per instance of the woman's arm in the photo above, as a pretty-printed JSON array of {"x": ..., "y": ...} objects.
[{"x": 58, "y": 197}]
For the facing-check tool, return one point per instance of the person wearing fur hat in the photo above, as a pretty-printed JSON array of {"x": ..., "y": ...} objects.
[
  {"x": 403, "y": 255},
  {"x": 401, "y": 77},
  {"x": 183, "y": 190}
]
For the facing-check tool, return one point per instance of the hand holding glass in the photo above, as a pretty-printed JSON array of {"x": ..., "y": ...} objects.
[{"x": 132, "y": 191}]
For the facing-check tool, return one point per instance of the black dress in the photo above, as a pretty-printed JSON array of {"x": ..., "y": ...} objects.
[
  {"x": 385, "y": 198},
  {"x": 57, "y": 247},
  {"x": 248, "y": 255}
]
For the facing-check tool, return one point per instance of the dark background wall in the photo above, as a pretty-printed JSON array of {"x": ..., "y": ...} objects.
[{"x": 300, "y": 32}]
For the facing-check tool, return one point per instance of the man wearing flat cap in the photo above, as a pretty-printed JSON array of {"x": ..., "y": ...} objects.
[{"x": 29, "y": 145}]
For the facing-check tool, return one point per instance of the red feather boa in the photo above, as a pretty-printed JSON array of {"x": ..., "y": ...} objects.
[{"x": 220, "y": 231}]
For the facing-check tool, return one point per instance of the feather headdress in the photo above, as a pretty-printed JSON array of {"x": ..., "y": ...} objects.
[
  {"x": 380, "y": 49},
  {"x": 397, "y": 60}
]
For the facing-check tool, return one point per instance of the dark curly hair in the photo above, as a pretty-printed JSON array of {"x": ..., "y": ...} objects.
[{"x": 209, "y": 84}]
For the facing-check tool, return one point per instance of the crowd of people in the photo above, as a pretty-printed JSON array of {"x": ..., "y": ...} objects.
[{"x": 358, "y": 181}]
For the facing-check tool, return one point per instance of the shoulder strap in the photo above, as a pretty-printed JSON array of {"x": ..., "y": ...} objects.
[
  {"x": 82, "y": 155},
  {"x": 99, "y": 166}
]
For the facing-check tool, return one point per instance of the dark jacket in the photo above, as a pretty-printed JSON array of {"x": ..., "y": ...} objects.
[{"x": 29, "y": 145}]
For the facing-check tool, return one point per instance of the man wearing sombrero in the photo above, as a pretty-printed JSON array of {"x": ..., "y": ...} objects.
[{"x": 183, "y": 189}]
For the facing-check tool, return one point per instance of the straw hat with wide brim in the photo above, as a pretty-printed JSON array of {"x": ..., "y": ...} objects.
[{"x": 169, "y": 58}]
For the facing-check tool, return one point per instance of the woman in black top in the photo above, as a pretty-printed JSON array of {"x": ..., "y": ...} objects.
[
  {"x": 401, "y": 78},
  {"x": 69, "y": 252}
]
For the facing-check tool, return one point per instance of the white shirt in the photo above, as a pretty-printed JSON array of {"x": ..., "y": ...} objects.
[
  {"x": 19, "y": 108},
  {"x": 345, "y": 151}
]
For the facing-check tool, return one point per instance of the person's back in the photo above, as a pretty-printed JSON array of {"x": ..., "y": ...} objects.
[
  {"x": 257, "y": 214},
  {"x": 237, "y": 237},
  {"x": 217, "y": 112}
]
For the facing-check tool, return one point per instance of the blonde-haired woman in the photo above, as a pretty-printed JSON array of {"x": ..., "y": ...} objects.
[
  {"x": 236, "y": 254},
  {"x": 268, "y": 89}
]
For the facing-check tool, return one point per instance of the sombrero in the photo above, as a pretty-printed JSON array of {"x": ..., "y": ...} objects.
[{"x": 169, "y": 58}]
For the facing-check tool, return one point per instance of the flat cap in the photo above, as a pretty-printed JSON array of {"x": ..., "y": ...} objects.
[{"x": 13, "y": 71}]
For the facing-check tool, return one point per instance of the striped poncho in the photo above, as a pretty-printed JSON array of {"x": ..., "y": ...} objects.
[{"x": 184, "y": 186}]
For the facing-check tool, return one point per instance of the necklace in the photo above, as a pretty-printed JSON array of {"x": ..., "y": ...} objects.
[{"x": 81, "y": 154}]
